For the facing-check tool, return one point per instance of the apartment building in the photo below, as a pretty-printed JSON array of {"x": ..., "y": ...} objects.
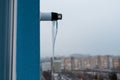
[
  {"x": 106, "y": 62},
  {"x": 67, "y": 63},
  {"x": 46, "y": 66},
  {"x": 76, "y": 63},
  {"x": 116, "y": 63},
  {"x": 97, "y": 62},
  {"x": 87, "y": 62}
]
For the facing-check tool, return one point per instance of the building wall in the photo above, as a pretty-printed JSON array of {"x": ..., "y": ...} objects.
[
  {"x": 87, "y": 62},
  {"x": 97, "y": 62},
  {"x": 46, "y": 66},
  {"x": 105, "y": 62},
  {"x": 67, "y": 63},
  {"x": 57, "y": 66},
  {"x": 116, "y": 62},
  {"x": 76, "y": 63}
]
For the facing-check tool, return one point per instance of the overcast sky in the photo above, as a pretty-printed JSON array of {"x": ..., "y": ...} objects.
[{"x": 88, "y": 27}]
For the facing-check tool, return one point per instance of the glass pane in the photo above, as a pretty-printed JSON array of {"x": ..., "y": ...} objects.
[{"x": 87, "y": 46}]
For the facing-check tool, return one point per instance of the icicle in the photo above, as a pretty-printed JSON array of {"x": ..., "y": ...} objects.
[{"x": 54, "y": 35}]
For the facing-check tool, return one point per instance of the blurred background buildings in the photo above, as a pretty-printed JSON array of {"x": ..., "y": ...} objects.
[{"x": 85, "y": 62}]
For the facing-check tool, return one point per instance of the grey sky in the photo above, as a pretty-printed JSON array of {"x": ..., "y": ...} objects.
[{"x": 88, "y": 27}]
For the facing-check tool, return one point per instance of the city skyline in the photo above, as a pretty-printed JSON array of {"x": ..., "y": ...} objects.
[{"x": 85, "y": 62}]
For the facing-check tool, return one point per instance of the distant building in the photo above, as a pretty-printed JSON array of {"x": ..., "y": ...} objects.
[
  {"x": 67, "y": 63},
  {"x": 62, "y": 62},
  {"x": 76, "y": 63},
  {"x": 116, "y": 63},
  {"x": 97, "y": 62},
  {"x": 106, "y": 62},
  {"x": 87, "y": 62},
  {"x": 93, "y": 64},
  {"x": 57, "y": 66},
  {"x": 111, "y": 62},
  {"x": 46, "y": 66}
]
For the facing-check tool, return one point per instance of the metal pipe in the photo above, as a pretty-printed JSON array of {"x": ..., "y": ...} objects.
[{"x": 50, "y": 16}]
